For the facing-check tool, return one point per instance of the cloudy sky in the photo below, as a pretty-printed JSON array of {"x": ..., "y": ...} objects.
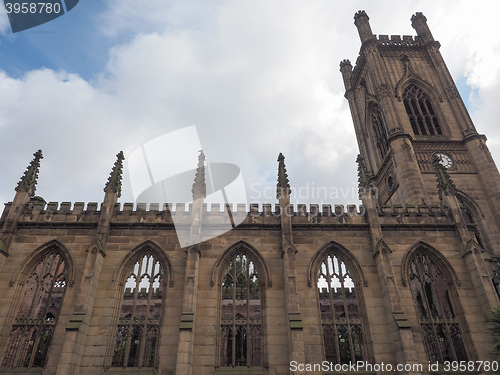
[{"x": 256, "y": 78}]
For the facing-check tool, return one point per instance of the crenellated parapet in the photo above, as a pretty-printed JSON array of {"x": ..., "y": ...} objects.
[
  {"x": 399, "y": 41},
  {"x": 384, "y": 44},
  {"x": 39, "y": 212},
  {"x": 65, "y": 212},
  {"x": 411, "y": 214}
]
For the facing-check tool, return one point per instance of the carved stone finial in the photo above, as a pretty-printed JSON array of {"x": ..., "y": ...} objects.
[
  {"x": 418, "y": 15},
  {"x": 364, "y": 179},
  {"x": 114, "y": 184},
  {"x": 29, "y": 179},
  {"x": 362, "y": 22},
  {"x": 419, "y": 23},
  {"x": 345, "y": 62},
  {"x": 283, "y": 186},
  {"x": 199, "y": 189},
  {"x": 346, "y": 70},
  {"x": 445, "y": 184},
  {"x": 360, "y": 13}
]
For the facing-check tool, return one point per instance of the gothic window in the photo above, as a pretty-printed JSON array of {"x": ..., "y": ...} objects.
[
  {"x": 140, "y": 314},
  {"x": 439, "y": 325},
  {"x": 35, "y": 321},
  {"x": 241, "y": 337},
  {"x": 379, "y": 130},
  {"x": 423, "y": 118},
  {"x": 340, "y": 312}
]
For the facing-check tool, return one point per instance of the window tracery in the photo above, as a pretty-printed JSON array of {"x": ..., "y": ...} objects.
[
  {"x": 421, "y": 113},
  {"x": 343, "y": 335},
  {"x": 36, "y": 318},
  {"x": 241, "y": 336},
  {"x": 140, "y": 314},
  {"x": 379, "y": 130},
  {"x": 438, "y": 321}
]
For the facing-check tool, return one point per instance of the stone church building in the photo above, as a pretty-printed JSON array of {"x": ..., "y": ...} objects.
[{"x": 406, "y": 279}]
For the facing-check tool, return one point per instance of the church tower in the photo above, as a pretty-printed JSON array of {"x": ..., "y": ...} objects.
[{"x": 406, "y": 111}]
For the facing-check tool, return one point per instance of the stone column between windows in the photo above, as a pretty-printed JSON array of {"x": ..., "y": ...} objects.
[
  {"x": 400, "y": 330},
  {"x": 78, "y": 328},
  {"x": 295, "y": 330},
  {"x": 184, "y": 364}
]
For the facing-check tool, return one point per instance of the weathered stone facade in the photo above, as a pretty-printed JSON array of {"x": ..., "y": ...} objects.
[{"x": 108, "y": 289}]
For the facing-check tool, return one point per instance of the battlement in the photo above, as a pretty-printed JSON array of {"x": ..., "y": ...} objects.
[
  {"x": 38, "y": 212},
  {"x": 399, "y": 41},
  {"x": 412, "y": 210},
  {"x": 215, "y": 213},
  {"x": 257, "y": 209},
  {"x": 385, "y": 42},
  {"x": 253, "y": 209},
  {"x": 410, "y": 214}
]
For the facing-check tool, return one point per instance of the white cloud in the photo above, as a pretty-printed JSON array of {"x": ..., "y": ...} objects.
[
  {"x": 257, "y": 78},
  {"x": 4, "y": 21}
]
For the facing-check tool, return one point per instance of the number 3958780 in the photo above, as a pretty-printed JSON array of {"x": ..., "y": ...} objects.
[{"x": 33, "y": 8}]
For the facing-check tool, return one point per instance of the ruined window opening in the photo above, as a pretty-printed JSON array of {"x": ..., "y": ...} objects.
[
  {"x": 140, "y": 314},
  {"x": 423, "y": 118},
  {"x": 440, "y": 327},
  {"x": 340, "y": 312},
  {"x": 241, "y": 314},
  {"x": 36, "y": 318},
  {"x": 379, "y": 130}
]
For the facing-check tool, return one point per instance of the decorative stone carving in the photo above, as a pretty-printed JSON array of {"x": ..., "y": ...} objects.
[
  {"x": 451, "y": 92},
  {"x": 383, "y": 91}
]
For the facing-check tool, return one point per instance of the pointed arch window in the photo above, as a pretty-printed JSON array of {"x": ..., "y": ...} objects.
[
  {"x": 379, "y": 130},
  {"x": 241, "y": 337},
  {"x": 139, "y": 321},
  {"x": 421, "y": 113},
  {"x": 36, "y": 318},
  {"x": 433, "y": 299},
  {"x": 343, "y": 333}
]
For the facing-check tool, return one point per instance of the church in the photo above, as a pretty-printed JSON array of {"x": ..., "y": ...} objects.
[{"x": 401, "y": 284}]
